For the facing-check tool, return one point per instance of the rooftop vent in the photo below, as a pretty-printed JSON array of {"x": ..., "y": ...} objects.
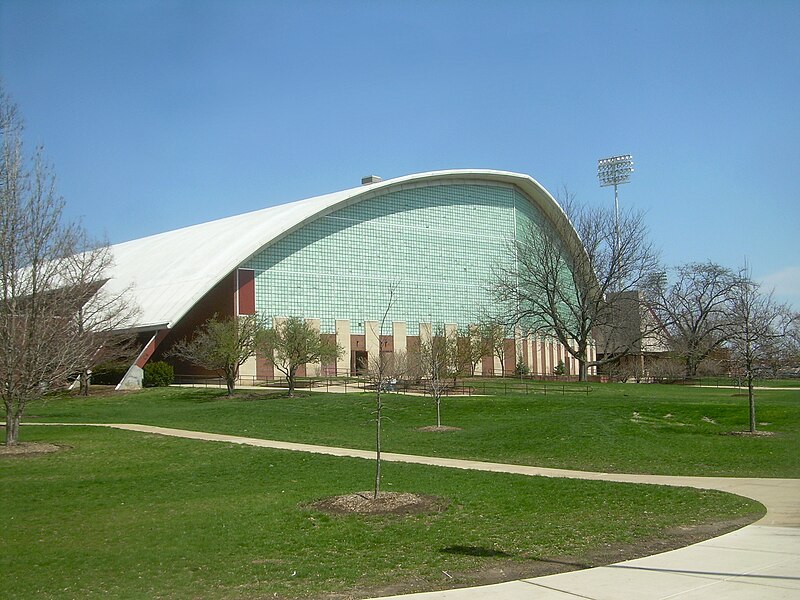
[{"x": 370, "y": 179}]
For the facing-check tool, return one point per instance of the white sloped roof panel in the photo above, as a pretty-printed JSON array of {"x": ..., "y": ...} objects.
[{"x": 169, "y": 272}]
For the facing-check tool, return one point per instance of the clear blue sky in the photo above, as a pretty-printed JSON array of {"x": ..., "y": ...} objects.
[{"x": 162, "y": 114}]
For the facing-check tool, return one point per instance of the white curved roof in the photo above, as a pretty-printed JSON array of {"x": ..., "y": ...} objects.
[{"x": 170, "y": 272}]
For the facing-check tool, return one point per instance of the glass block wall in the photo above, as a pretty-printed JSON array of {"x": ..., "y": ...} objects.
[{"x": 436, "y": 244}]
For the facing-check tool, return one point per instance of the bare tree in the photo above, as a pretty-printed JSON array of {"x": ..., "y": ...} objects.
[
  {"x": 41, "y": 342},
  {"x": 758, "y": 325},
  {"x": 580, "y": 289},
  {"x": 471, "y": 348},
  {"x": 381, "y": 370},
  {"x": 221, "y": 345},
  {"x": 791, "y": 354},
  {"x": 104, "y": 317},
  {"x": 396, "y": 367},
  {"x": 293, "y": 343},
  {"x": 438, "y": 356},
  {"x": 694, "y": 309},
  {"x": 493, "y": 336}
]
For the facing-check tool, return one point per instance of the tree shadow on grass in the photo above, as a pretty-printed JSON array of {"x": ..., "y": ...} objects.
[{"x": 475, "y": 551}]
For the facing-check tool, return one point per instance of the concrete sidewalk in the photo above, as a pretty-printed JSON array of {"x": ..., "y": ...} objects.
[
  {"x": 755, "y": 563},
  {"x": 758, "y": 562}
]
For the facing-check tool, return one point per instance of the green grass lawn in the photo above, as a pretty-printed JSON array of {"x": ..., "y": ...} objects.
[
  {"x": 634, "y": 428},
  {"x": 125, "y": 515}
]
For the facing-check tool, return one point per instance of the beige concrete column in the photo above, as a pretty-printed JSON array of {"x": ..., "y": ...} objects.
[
  {"x": 576, "y": 367},
  {"x": 547, "y": 363},
  {"x": 529, "y": 352},
  {"x": 400, "y": 336},
  {"x": 556, "y": 354},
  {"x": 247, "y": 372},
  {"x": 567, "y": 360},
  {"x": 479, "y": 367},
  {"x": 451, "y": 333},
  {"x": 277, "y": 322},
  {"x": 372, "y": 342},
  {"x": 313, "y": 369},
  {"x": 562, "y": 355},
  {"x": 343, "y": 339},
  {"x": 537, "y": 348},
  {"x": 592, "y": 355},
  {"x": 425, "y": 333},
  {"x": 517, "y": 347},
  {"x": 498, "y": 366}
]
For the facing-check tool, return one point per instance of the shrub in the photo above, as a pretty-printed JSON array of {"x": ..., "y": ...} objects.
[
  {"x": 666, "y": 370},
  {"x": 108, "y": 373},
  {"x": 560, "y": 368},
  {"x": 521, "y": 369},
  {"x": 158, "y": 374}
]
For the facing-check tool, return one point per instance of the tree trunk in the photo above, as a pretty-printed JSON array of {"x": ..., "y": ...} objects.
[
  {"x": 691, "y": 368},
  {"x": 752, "y": 401},
  {"x": 231, "y": 375},
  {"x": 12, "y": 428},
  {"x": 438, "y": 410},
  {"x": 378, "y": 445},
  {"x": 84, "y": 383},
  {"x": 290, "y": 379},
  {"x": 583, "y": 370},
  {"x": 230, "y": 383}
]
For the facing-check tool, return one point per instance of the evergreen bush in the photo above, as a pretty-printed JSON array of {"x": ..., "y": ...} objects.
[
  {"x": 158, "y": 374},
  {"x": 110, "y": 373}
]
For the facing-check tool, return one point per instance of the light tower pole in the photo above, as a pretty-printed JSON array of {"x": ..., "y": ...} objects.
[{"x": 615, "y": 171}]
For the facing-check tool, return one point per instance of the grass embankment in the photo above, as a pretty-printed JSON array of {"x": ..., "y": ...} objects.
[
  {"x": 125, "y": 515},
  {"x": 632, "y": 428}
]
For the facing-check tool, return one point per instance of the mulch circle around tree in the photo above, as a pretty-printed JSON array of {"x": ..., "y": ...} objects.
[
  {"x": 439, "y": 428},
  {"x": 751, "y": 433},
  {"x": 29, "y": 449},
  {"x": 387, "y": 503}
]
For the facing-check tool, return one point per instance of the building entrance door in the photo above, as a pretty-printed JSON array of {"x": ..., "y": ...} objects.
[{"x": 359, "y": 362}]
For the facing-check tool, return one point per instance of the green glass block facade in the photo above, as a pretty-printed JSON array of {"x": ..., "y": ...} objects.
[{"x": 437, "y": 244}]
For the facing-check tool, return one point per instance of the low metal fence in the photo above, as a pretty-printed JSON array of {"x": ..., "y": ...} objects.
[{"x": 477, "y": 386}]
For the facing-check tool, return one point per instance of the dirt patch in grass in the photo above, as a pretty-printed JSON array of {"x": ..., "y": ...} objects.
[
  {"x": 103, "y": 391},
  {"x": 505, "y": 567},
  {"x": 95, "y": 391},
  {"x": 672, "y": 539},
  {"x": 387, "y": 503},
  {"x": 439, "y": 428},
  {"x": 267, "y": 394},
  {"x": 751, "y": 433},
  {"x": 29, "y": 449}
]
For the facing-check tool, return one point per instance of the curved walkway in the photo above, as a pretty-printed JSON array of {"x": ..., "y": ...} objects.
[{"x": 758, "y": 562}]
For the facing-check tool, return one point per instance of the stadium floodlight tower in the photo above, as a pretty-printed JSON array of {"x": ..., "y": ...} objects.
[{"x": 615, "y": 171}]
